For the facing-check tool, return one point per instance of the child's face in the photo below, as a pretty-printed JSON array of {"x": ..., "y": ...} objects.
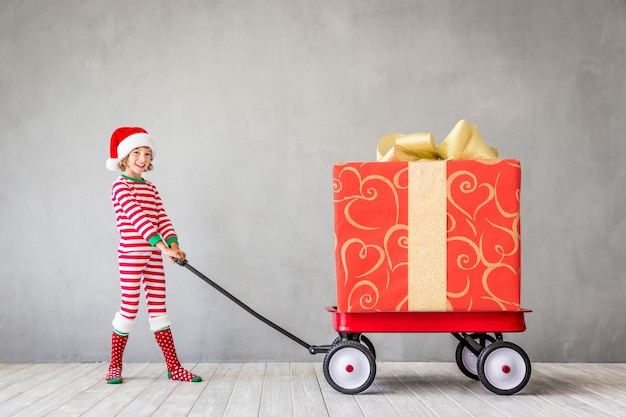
[{"x": 138, "y": 161}]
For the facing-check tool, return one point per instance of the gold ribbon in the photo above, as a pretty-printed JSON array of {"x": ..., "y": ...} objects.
[{"x": 463, "y": 142}]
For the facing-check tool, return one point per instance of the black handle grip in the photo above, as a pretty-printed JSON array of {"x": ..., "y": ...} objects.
[{"x": 179, "y": 262}]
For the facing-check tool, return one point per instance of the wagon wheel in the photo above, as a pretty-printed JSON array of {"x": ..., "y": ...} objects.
[
  {"x": 503, "y": 368},
  {"x": 349, "y": 367},
  {"x": 365, "y": 341},
  {"x": 466, "y": 360}
]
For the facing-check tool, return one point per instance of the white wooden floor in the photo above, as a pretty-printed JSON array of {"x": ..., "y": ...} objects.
[{"x": 299, "y": 389}]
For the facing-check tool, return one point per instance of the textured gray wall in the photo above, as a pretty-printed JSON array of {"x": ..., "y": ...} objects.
[{"x": 251, "y": 102}]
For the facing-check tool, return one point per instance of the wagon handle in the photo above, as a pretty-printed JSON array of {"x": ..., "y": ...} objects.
[{"x": 311, "y": 348}]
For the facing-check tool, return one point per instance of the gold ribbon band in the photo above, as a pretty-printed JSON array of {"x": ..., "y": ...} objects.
[{"x": 427, "y": 249}]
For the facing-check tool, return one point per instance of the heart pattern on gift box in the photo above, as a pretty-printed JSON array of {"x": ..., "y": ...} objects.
[
  {"x": 370, "y": 258},
  {"x": 370, "y": 212},
  {"x": 371, "y": 201}
]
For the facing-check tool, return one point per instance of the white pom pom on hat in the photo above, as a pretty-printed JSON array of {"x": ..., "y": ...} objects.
[{"x": 124, "y": 140}]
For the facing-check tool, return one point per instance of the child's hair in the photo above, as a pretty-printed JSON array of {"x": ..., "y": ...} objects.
[{"x": 123, "y": 163}]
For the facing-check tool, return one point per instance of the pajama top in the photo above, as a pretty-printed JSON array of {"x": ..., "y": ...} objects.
[{"x": 140, "y": 216}]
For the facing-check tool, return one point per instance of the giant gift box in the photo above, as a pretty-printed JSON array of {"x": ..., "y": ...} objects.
[{"x": 427, "y": 235}]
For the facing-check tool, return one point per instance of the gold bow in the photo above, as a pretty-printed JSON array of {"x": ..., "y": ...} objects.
[{"x": 463, "y": 142}]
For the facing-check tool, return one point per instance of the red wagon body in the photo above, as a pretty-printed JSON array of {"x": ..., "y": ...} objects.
[{"x": 429, "y": 322}]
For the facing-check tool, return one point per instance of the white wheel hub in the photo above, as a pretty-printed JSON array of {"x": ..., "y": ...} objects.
[
  {"x": 505, "y": 368},
  {"x": 349, "y": 368}
]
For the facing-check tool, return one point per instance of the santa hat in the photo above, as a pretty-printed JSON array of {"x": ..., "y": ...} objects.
[{"x": 124, "y": 140}]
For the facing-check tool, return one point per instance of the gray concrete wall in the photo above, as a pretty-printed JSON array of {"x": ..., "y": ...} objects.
[{"x": 251, "y": 102}]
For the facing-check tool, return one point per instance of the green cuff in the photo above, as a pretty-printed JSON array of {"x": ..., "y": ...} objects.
[
  {"x": 170, "y": 240},
  {"x": 154, "y": 239}
]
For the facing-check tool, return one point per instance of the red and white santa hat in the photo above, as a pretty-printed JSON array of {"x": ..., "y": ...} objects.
[{"x": 124, "y": 140}]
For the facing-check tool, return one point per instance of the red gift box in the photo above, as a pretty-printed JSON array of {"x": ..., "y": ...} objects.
[{"x": 427, "y": 235}]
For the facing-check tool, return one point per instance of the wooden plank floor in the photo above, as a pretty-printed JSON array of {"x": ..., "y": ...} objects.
[{"x": 299, "y": 389}]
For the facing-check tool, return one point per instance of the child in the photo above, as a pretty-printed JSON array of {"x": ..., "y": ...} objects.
[{"x": 145, "y": 233}]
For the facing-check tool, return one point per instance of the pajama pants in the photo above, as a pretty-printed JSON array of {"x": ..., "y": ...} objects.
[{"x": 141, "y": 269}]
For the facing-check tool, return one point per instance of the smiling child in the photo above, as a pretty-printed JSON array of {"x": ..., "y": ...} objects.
[{"x": 146, "y": 233}]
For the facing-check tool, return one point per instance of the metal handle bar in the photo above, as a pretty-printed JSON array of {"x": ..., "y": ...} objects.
[{"x": 311, "y": 348}]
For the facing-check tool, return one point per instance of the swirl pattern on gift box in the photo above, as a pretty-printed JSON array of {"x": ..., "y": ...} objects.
[{"x": 483, "y": 235}]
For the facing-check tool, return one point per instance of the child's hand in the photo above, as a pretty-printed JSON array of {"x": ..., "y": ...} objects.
[
  {"x": 178, "y": 253},
  {"x": 172, "y": 252}
]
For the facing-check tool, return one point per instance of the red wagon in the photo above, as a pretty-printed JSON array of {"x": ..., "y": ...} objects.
[
  {"x": 428, "y": 246},
  {"x": 503, "y": 367},
  {"x": 482, "y": 354}
]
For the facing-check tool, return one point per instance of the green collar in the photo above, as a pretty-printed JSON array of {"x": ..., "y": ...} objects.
[{"x": 133, "y": 179}]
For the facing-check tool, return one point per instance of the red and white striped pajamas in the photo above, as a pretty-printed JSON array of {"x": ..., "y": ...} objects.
[{"x": 142, "y": 223}]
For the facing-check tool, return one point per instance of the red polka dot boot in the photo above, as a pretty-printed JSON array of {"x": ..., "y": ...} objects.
[
  {"x": 118, "y": 343},
  {"x": 175, "y": 370}
]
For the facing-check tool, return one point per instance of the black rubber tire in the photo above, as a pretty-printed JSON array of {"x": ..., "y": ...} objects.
[
  {"x": 362, "y": 367},
  {"x": 504, "y": 368}
]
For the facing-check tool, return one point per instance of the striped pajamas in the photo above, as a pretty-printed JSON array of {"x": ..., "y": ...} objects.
[{"x": 142, "y": 223}]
